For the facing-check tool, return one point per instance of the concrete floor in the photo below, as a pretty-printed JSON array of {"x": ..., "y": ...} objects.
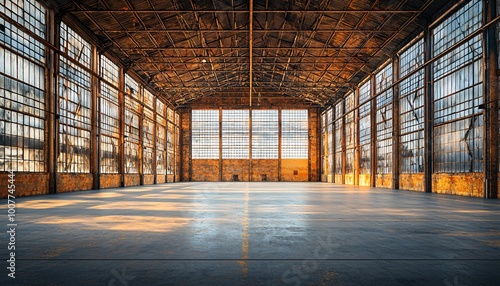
[{"x": 254, "y": 234}]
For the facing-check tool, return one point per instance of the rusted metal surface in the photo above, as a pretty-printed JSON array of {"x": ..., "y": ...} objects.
[
  {"x": 491, "y": 108},
  {"x": 132, "y": 180},
  {"x": 412, "y": 182},
  {"x": 314, "y": 145},
  {"x": 149, "y": 179},
  {"x": 74, "y": 182},
  {"x": 24, "y": 183},
  {"x": 465, "y": 184},
  {"x": 205, "y": 45},
  {"x": 383, "y": 181},
  {"x": 110, "y": 181},
  {"x": 185, "y": 146}
]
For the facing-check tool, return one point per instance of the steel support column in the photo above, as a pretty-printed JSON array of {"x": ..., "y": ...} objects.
[
  {"x": 121, "y": 120},
  {"x": 95, "y": 119},
  {"x": 428, "y": 113},
  {"x": 51, "y": 95},
  {"x": 395, "y": 124},
  {"x": 491, "y": 106},
  {"x": 373, "y": 134}
]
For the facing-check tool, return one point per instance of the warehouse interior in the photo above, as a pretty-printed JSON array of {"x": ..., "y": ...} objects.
[{"x": 271, "y": 123}]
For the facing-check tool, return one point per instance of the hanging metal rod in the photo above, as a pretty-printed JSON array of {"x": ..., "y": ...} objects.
[{"x": 250, "y": 44}]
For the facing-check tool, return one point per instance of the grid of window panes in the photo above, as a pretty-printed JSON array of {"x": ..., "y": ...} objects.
[
  {"x": 204, "y": 134},
  {"x": 21, "y": 45},
  {"x": 109, "y": 71},
  {"x": 451, "y": 156},
  {"x": 294, "y": 134},
  {"x": 411, "y": 105},
  {"x": 324, "y": 144},
  {"x": 235, "y": 134},
  {"x": 456, "y": 27},
  {"x": 132, "y": 121},
  {"x": 264, "y": 134},
  {"x": 177, "y": 158},
  {"x": 330, "y": 140},
  {"x": 74, "y": 104},
  {"x": 170, "y": 142},
  {"x": 148, "y": 141},
  {"x": 22, "y": 99},
  {"x": 339, "y": 112},
  {"x": 161, "y": 137},
  {"x": 458, "y": 92},
  {"x": 365, "y": 128},
  {"x": 109, "y": 125},
  {"x": 28, "y": 13},
  {"x": 198, "y": 150},
  {"x": 383, "y": 79},
  {"x": 350, "y": 133}
]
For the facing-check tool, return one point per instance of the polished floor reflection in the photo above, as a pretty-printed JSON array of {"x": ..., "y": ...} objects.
[{"x": 255, "y": 234}]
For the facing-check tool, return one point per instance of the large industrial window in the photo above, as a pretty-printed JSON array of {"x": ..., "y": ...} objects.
[
  {"x": 74, "y": 104},
  {"x": 412, "y": 109},
  {"x": 365, "y": 128},
  {"x": 161, "y": 137},
  {"x": 171, "y": 137},
  {"x": 330, "y": 140},
  {"x": 383, "y": 80},
  {"x": 350, "y": 134},
  {"x": 339, "y": 113},
  {"x": 109, "y": 126},
  {"x": 459, "y": 25},
  {"x": 132, "y": 127},
  {"x": 177, "y": 146},
  {"x": 458, "y": 92},
  {"x": 205, "y": 135},
  {"x": 235, "y": 134},
  {"x": 294, "y": 134},
  {"x": 22, "y": 100},
  {"x": 264, "y": 134},
  {"x": 324, "y": 144},
  {"x": 148, "y": 140}
]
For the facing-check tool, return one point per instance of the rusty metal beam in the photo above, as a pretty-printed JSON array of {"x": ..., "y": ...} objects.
[
  {"x": 373, "y": 133},
  {"x": 271, "y": 48},
  {"x": 95, "y": 116},
  {"x": 428, "y": 113},
  {"x": 173, "y": 11},
  {"x": 250, "y": 45},
  {"x": 177, "y": 30},
  {"x": 395, "y": 124},
  {"x": 491, "y": 110},
  {"x": 52, "y": 130}
]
